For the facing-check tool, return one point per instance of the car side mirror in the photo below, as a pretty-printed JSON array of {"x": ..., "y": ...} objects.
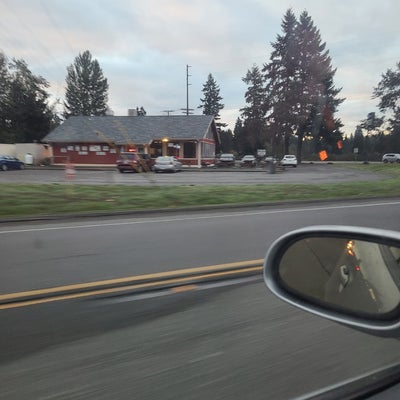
[{"x": 346, "y": 274}]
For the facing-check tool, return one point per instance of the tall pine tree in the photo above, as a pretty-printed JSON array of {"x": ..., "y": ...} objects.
[
  {"x": 280, "y": 76},
  {"x": 301, "y": 98},
  {"x": 25, "y": 115},
  {"x": 388, "y": 93},
  {"x": 211, "y": 101},
  {"x": 253, "y": 114},
  {"x": 87, "y": 88},
  {"x": 4, "y": 89},
  {"x": 316, "y": 93}
]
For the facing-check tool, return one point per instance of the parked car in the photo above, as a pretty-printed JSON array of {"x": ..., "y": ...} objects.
[
  {"x": 134, "y": 162},
  {"x": 9, "y": 162},
  {"x": 391, "y": 157},
  {"x": 167, "y": 164},
  {"x": 270, "y": 159},
  {"x": 248, "y": 161},
  {"x": 290, "y": 160},
  {"x": 226, "y": 160}
]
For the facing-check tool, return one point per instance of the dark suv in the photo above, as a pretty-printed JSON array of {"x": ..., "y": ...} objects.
[{"x": 134, "y": 162}]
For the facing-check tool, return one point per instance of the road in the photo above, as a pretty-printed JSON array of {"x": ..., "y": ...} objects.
[
  {"x": 233, "y": 342},
  {"x": 229, "y": 341},
  {"x": 60, "y": 253}
]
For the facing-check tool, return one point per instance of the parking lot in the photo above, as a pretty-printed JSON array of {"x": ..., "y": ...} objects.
[{"x": 304, "y": 173}]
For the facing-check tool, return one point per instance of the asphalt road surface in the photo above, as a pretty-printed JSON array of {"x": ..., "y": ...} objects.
[
  {"x": 223, "y": 342},
  {"x": 37, "y": 255},
  {"x": 233, "y": 342}
]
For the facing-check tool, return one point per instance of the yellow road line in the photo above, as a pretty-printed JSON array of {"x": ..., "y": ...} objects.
[
  {"x": 129, "y": 287},
  {"x": 88, "y": 285},
  {"x": 183, "y": 288}
]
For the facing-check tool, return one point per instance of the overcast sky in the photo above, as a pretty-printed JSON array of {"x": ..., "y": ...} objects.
[{"x": 144, "y": 46}]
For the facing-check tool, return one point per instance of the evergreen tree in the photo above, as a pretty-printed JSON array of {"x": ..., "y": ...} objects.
[
  {"x": 87, "y": 88},
  {"x": 227, "y": 143},
  {"x": 211, "y": 102},
  {"x": 317, "y": 95},
  {"x": 300, "y": 95},
  {"x": 280, "y": 74},
  {"x": 253, "y": 114},
  {"x": 388, "y": 93},
  {"x": 4, "y": 90},
  {"x": 239, "y": 136},
  {"x": 358, "y": 142},
  {"x": 25, "y": 115}
]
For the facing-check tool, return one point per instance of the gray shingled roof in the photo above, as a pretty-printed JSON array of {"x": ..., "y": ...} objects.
[{"x": 139, "y": 129}]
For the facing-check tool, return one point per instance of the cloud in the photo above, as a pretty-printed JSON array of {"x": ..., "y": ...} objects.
[{"x": 144, "y": 47}]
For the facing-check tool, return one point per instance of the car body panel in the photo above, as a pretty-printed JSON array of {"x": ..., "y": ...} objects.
[
  {"x": 391, "y": 158},
  {"x": 380, "y": 384},
  {"x": 167, "y": 164},
  {"x": 134, "y": 162},
  {"x": 226, "y": 160},
  {"x": 289, "y": 160},
  {"x": 9, "y": 162},
  {"x": 248, "y": 161}
]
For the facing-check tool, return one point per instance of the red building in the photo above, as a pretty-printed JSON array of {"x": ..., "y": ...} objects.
[{"x": 99, "y": 140}]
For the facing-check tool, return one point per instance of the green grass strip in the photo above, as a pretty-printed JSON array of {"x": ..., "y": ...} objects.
[{"x": 18, "y": 200}]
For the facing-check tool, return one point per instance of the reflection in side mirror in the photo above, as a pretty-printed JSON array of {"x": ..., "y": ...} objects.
[
  {"x": 354, "y": 275},
  {"x": 347, "y": 274}
]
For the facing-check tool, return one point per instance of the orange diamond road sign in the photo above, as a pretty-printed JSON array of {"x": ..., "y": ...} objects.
[{"x": 323, "y": 155}]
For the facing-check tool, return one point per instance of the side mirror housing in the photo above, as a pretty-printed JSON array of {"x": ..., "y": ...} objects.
[{"x": 349, "y": 275}]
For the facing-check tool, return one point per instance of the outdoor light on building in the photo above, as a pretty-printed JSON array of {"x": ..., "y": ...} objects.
[{"x": 165, "y": 140}]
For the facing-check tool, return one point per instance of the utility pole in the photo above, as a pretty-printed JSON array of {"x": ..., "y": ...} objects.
[
  {"x": 168, "y": 112},
  {"x": 187, "y": 89},
  {"x": 187, "y": 109}
]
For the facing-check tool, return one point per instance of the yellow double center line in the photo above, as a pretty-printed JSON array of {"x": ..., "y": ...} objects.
[{"x": 178, "y": 280}]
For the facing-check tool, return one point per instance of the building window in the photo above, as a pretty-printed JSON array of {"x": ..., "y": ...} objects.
[
  {"x": 189, "y": 150},
  {"x": 156, "y": 148},
  {"x": 207, "y": 150},
  {"x": 95, "y": 148}
]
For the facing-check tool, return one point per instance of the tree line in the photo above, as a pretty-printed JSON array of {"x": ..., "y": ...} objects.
[
  {"x": 26, "y": 112},
  {"x": 291, "y": 101}
]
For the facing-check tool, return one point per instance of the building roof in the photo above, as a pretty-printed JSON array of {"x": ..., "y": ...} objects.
[{"x": 137, "y": 129}]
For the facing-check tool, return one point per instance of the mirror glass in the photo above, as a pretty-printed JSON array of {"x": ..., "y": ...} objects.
[{"x": 350, "y": 275}]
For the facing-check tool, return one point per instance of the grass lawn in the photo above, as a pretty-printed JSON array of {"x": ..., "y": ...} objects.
[{"x": 45, "y": 199}]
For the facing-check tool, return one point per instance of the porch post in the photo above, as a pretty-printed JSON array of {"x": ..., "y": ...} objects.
[
  {"x": 198, "y": 154},
  {"x": 164, "y": 148}
]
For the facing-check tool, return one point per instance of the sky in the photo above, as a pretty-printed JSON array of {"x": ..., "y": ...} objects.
[{"x": 143, "y": 47}]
